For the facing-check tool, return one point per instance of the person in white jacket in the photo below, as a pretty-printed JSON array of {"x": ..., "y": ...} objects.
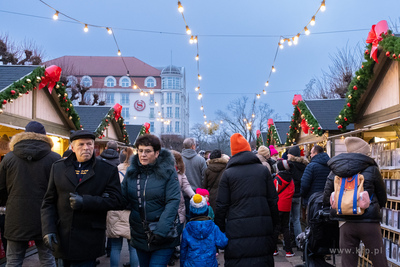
[{"x": 118, "y": 222}]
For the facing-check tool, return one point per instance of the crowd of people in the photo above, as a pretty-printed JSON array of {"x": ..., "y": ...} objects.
[{"x": 165, "y": 202}]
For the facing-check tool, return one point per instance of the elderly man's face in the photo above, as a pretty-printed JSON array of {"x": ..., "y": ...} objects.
[{"x": 83, "y": 149}]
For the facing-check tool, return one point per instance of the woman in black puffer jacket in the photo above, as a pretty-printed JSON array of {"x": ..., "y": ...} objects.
[{"x": 365, "y": 227}]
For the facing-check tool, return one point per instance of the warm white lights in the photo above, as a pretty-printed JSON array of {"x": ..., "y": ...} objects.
[
  {"x": 201, "y": 108},
  {"x": 280, "y": 45},
  {"x": 221, "y": 122},
  {"x": 135, "y": 86},
  {"x": 199, "y": 96},
  {"x": 273, "y": 69},
  {"x": 204, "y": 116},
  {"x": 323, "y": 8},
  {"x": 156, "y": 104},
  {"x": 290, "y": 42},
  {"x": 141, "y": 93},
  {"x": 197, "y": 88},
  {"x": 55, "y": 16},
  {"x": 195, "y": 39},
  {"x": 197, "y": 57},
  {"x": 267, "y": 83},
  {"x": 306, "y": 31},
  {"x": 191, "y": 40},
  {"x": 134, "y": 117},
  {"x": 109, "y": 30},
  {"x": 188, "y": 31},
  {"x": 312, "y": 22},
  {"x": 253, "y": 115},
  {"x": 264, "y": 92},
  {"x": 86, "y": 29},
  {"x": 119, "y": 52},
  {"x": 258, "y": 95},
  {"x": 199, "y": 76},
  {"x": 282, "y": 41},
  {"x": 180, "y": 7},
  {"x": 151, "y": 92}
]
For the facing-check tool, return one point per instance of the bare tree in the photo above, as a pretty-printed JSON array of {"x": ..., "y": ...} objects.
[
  {"x": 171, "y": 141},
  {"x": 333, "y": 83},
  {"x": 394, "y": 25},
  {"x": 25, "y": 53},
  {"x": 210, "y": 138}
]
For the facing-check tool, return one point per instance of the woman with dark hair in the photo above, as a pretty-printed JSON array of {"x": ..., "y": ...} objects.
[{"x": 152, "y": 190}]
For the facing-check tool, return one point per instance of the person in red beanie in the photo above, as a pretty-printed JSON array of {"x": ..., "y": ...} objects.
[{"x": 247, "y": 208}]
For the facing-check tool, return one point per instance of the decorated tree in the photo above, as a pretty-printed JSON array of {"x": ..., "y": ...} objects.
[{"x": 259, "y": 141}]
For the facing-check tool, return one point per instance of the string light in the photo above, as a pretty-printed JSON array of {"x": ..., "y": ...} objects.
[
  {"x": 86, "y": 29},
  {"x": 273, "y": 69},
  {"x": 199, "y": 76},
  {"x": 312, "y": 22},
  {"x": 156, "y": 104},
  {"x": 195, "y": 39},
  {"x": 264, "y": 92},
  {"x": 204, "y": 116},
  {"x": 306, "y": 31},
  {"x": 135, "y": 86},
  {"x": 119, "y": 52},
  {"x": 180, "y": 7},
  {"x": 141, "y": 93},
  {"x": 109, "y": 30},
  {"x": 282, "y": 40},
  {"x": 201, "y": 108},
  {"x": 253, "y": 115},
  {"x": 267, "y": 83},
  {"x": 200, "y": 96},
  {"x": 258, "y": 95},
  {"x": 197, "y": 57},
  {"x": 191, "y": 41},
  {"x": 280, "y": 45},
  {"x": 146, "y": 94},
  {"x": 197, "y": 88},
  {"x": 55, "y": 16},
  {"x": 134, "y": 117},
  {"x": 151, "y": 92},
  {"x": 290, "y": 42},
  {"x": 323, "y": 8},
  {"x": 188, "y": 31}
]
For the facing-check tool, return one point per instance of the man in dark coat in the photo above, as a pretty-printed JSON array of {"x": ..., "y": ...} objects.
[
  {"x": 365, "y": 227},
  {"x": 24, "y": 175},
  {"x": 110, "y": 153},
  {"x": 247, "y": 208},
  {"x": 315, "y": 174},
  {"x": 81, "y": 190}
]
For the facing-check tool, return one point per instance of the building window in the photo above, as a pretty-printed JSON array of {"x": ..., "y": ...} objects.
[
  {"x": 151, "y": 99},
  {"x": 177, "y": 130},
  {"x": 177, "y": 98},
  {"x": 125, "y": 114},
  {"x": 169, "y": 112},
  {"x": 169, "y": 98},
  {"x": 162, "y": 128},
  {"x": 152, "y": 127},
  {"x": 176, "y": 113},
  {"x": 88, "y": 98},
  {"x": 72, "y": 81},
  {"x": 171, "y": 83},
  {"x": 124, "y": 82},
  {"x": 110, "y": 98},
  {"x": 125, "y": 99},
  {"x": 86, "y": 81},
  {"x": 150, "y": 82},
  {"x": 169, "y": 128},
  {"x": 151, "y": 113},
  {"x": 109, "y": 81}
]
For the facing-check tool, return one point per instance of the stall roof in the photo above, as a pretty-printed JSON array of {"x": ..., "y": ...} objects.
[
  {"x": 133, "y": 132},
  {"x": 282, "y": 128},
  {"x": 91, "y": 116},
  {"x": 325, "y": 112},
  {"x": 12, "y": 73}
]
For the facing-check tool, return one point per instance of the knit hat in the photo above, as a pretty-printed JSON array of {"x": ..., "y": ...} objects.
[
  {"x": 216, "y": 153},
  {"x": 202, "y": 192},
  {"x": 357, "y": 145},
  {"x": 294, "y": 151},
  {"x": 264, "y": 151},
  {"x": 239, "y": 144},
  {"x": 273, "y": 150},
  {"x": 35, "y": 127},
  {"x": 283, "y": 165},
  {"x": 198, "y": 206}
]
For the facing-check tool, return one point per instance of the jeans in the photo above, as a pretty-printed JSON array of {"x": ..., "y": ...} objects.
[
  {"x": 68, "y": 263},
  {"x": 16, "y": 253},
  {"x": 295, "y": 218},
  {"x": 116, "y": 246},
  {"x": 157, "y": 258}
]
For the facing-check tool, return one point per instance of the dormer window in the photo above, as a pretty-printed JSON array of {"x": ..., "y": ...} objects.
[{"x": 110, "y": 81}]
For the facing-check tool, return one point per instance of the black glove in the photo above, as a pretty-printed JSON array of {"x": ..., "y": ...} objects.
[
  {"x": 76, "y": 201},
  {"x": 156, "y": 239},
  {"x": 49, "y": 240}
]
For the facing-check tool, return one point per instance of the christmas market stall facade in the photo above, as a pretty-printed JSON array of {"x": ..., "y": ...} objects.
[{"x": 277, "y": 134}]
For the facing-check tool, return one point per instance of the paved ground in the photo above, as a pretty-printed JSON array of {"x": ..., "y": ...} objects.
[{"x": 280, "y": 260}]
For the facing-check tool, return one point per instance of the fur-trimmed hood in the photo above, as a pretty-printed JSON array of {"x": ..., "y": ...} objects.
[
  {"x": 299, "y": 160},
  {"x": 163, "y": 167},
  {"x": 30, "y": 145},
  {"x": 217, "y": 164}
]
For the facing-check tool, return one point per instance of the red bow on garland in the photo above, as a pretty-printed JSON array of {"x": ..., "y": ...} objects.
[
  {"x": 146, "y": 127},
  {"x": 117, "y": 111},
  {"x": 374, "y": 37},
  {"x": 51, "y": 77},
  {"x": 270, "y": 122},
  {"x": 258, "y": 132}
]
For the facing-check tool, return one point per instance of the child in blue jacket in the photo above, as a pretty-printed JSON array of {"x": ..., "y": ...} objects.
[{"x": 201, "y": 237}]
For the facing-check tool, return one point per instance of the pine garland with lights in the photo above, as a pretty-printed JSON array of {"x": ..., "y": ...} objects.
[
  {"x": 143, "y": 130},
  {"x": 259, "y": 142},
  {"x": 301, "y": 112},
  {"x": 272, "y": 135},
  {"x": 30, "y": 83},
  {"x": 106, "y": 121},
  {"x": 390, "y": 46}
]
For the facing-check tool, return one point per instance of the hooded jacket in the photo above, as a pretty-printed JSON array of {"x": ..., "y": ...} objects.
[
  {"x": 159, "y": 195},
  {"x": 195, "y": 166},
  {"x": 212, "y": 177},
  {"x": 285, "y": 187},
  {"x": 314, "y": 176},
  {"x": 247, "y": 211},
  {"x": 24, "y": 175},
  {"x": 349, "y": 164},
  {"x": 199, "y": 241},
  {"x": 300, "y": 164},
  {"x": 111, "y": 156}
]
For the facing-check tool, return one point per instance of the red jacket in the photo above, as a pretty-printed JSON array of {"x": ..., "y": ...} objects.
[{"x": 285, "y": 187}]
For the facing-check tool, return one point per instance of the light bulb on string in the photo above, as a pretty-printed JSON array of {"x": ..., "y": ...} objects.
[
  {"x": 312, "y": 22},
  {"x": 204, "y": 116},
  {"x": 119, "y": 52},
  {"x": 86, "y": 29},
  {"x": 267, "y": 83},
  {"x": 188, "y": 31},
  {"x": 245, "y": 119},
  {"x": 258, "y": 95},
  {"x": 264, "y": 92},
  {"x": 323, "y": 8},
  {"x": 253, "y": 115},
  {"x": 195, "y": 39},
  {"x": 159, "y": 113},
  {"x": 295, "y": 40},
  {"x": 109, "y": 30},
  {"x": 55, "y": 16},
  {"x": 221, "y": 122},
  {"x": 151, "y": 92},
  {"x": 197, "y": 57},
  {"x": 290, "y": 42},
  {"x": 197, "y": 88},
  {"x": 280, "y": 45},
  {"x": 306, "y": 31},
  {"x": 146, "y": 94},
  {"x": 199, "y": 76},
  {"x": 134, "y": 117},
  {"x": 201, "y": 108},
  {"x": 156, "y": 104},
  {"x": 191, "y": 40},
  {"x": 282, "y": 41},
  {"x": 273, "y": 69},
  {"x": 208, "y": 125},
  {"x": 205, "y": 122},
  {"x": 199, "y": 96},
  {"x": 180, "y": 7},
  {"x": 141, "y": 93},
  {"x": 134, "y": 86}
]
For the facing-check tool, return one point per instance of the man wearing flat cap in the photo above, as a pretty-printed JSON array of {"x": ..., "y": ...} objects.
[{"x": 81, "y": 190}]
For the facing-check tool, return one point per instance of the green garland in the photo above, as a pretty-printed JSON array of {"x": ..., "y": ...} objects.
[
  {"x": 301, "y": 112},
  {"x": 391, "y": 47},
  {"x": 30, "y": 83},
  {"x": 272, "y": 135},
  {"x": 143, "y": 131},
  {"x": 259, "y": 142},
  {"x": 105, "y": 122}
]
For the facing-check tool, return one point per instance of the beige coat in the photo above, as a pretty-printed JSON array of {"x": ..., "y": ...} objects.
[
  {"x": 264, "y": 161},
  {"x": 185, "y": 187},
  {"x": 118, "y": 220}
]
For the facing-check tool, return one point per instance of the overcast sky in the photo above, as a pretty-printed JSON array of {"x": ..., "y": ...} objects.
[{"x": 233, "y": 62}]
